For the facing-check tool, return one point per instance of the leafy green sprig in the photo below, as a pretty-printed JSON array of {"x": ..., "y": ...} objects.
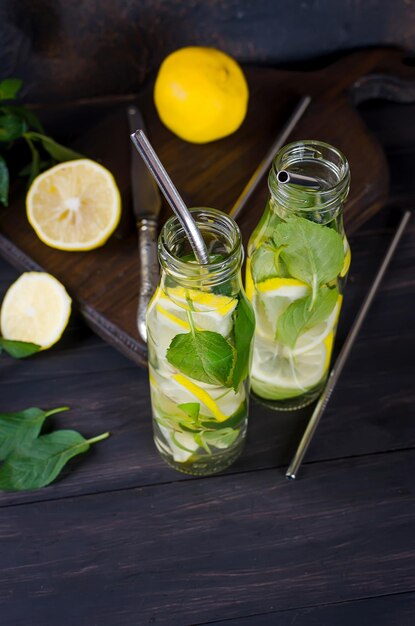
[
  {"x": 31, "y": 460},
  {"x": 312, "y": 253},
  {"x": 18, "y": 123}
]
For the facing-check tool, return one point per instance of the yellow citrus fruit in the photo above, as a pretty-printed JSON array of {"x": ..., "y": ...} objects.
[
  {"x": 201, "y": 94},
  {"x": 36, "y": 308},
  {"x": 75, "y": 205}
]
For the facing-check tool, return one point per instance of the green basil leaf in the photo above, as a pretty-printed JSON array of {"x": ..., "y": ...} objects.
[
  {"x": 192, "y": 409},
  {"x": 9, "y": 88},
  {"x": 312, "y": 253},
  {"x": 18, "y": 429},
  {"x": 304, "y": 313},
  {"x": 4, "y": 182},
  {"x": 202, "y": 355},
  {"x": 18, "y": 349},
  {"x": 243, "y": 331},
  {"x": 11, "y": 127},
  {"x": 39, "y": 462},
  {"x": 56, "y": 150}
]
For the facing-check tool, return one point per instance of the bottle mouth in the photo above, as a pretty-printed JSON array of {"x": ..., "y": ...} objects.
[
  {"x": 318, "y": 160},
  {"x": 223, "y": 241}
]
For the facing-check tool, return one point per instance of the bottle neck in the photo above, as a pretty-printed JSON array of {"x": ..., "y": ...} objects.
[
  {"x": 223, "y": 241},
  {"x": 321, "y": 161}
]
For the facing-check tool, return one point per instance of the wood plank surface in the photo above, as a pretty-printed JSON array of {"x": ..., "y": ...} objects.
[
  {"x": 107, "y": 392},
  {"x": 391, "y": 610},
  {"x": 205, "y": 550},
  {"x": 124, "y": 540}
]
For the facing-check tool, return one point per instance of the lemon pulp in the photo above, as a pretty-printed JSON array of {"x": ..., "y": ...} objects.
[
  {"x": 36, "y": 308},
  {"x": 74, "y": 205}
]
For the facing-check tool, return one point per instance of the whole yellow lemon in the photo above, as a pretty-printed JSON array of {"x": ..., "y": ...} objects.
[{"x": 201, "y": 94}]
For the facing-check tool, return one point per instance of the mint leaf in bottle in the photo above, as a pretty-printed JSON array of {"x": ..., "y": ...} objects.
[
  {"x": 312, "y": 253},
  {"x": 202, "y": 355},
  {"x": 304, "y": 313}
]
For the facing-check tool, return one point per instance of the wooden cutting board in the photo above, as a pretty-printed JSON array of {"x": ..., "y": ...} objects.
[{"x": 104, "y": 283}]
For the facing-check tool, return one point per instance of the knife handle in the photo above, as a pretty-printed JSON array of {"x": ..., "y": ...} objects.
[{"x": 147, "y": 245}]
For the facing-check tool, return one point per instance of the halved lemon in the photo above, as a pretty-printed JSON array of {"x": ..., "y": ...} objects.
[
  {"x": 75, "y": 205},
  {"x": 36, "y": 308}
]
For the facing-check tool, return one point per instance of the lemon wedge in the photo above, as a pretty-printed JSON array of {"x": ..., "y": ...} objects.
[
  {"x": 36, "y": 308},
  {"x": 74, "y": 205}
]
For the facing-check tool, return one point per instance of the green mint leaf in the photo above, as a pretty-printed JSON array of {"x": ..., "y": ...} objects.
[
  {"x": 222, "y": 438},
  {"x": 18, "y": 349},
  {"x": 9, "y": 88},
  {"x": 56, "y": 150},
  {"x": 263, "y": 263},
  {"x": 27, "y": 115},
  {"x": 243, "y": 331},
  {"x": 202, "y": 355},
  {"x": 39, "y": 462},
  {"x": 11, "y": 127},
  {"x": 4, "y": 182},
  {"x": 192, "y": 409},
  {"x": 18, "y": 429},
  {"x": 312, "y": 253},
  {"x": 303, "y": 314}
]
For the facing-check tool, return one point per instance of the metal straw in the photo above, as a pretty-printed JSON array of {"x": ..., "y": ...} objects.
[
  {"x": 292, "y": 471},
  {"x": 263, "y": 167},
  {"x": 289, "y": 178},
  {"x": 171, "y": 194}
]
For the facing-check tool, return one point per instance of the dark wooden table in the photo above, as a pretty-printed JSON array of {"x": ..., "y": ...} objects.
[{"x": 124, "y": 540}]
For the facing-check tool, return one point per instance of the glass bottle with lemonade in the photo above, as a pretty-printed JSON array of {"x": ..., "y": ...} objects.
[
  {"x": 298, "y": 259},
  {"x": 200, "y": 327}
]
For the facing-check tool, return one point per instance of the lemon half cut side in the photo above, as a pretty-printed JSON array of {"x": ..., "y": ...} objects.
[
  {"x": 74, "y": 205},
  {"x": 36, "y": 308}
]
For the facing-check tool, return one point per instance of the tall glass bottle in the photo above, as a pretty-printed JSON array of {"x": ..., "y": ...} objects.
[
  {"x": 200, "y": 327},
  {"x": 298, "y": 259}
]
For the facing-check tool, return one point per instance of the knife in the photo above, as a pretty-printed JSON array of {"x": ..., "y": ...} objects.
[{"x": 146, "y": 207}]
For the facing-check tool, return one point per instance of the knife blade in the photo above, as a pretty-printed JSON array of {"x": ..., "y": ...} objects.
[{"x": 146, "y": 206}]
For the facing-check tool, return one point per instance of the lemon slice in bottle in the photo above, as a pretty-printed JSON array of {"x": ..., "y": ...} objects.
[
  {"x": 272, "y": 297},
  {"x": 277, "y": 375},
  {"x": 209, "y": 311},
  {"x": 36, "y": 308},
  {"x": 74, "y": 205},
  {"x": 318, "y": 333}
]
